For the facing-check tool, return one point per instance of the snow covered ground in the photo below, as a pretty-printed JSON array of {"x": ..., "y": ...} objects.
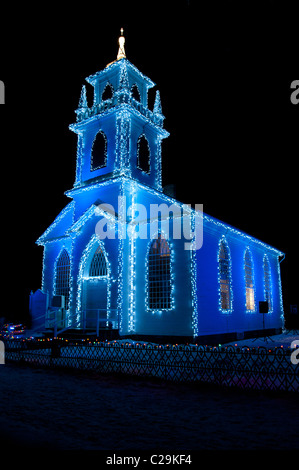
[
  {"x": 268, "y": 366},
  {"x": 283, "y": 340},
  {"x": 75, "y": 410}
]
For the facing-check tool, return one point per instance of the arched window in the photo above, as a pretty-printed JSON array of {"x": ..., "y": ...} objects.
[
  {"x": 135, "y": 92},
  {"x": 143, "y": 154},
  {"x": 99, "y": 151},
  {"x": 224, "y": 273},
  {"x": 62, "y": 276},
  {"x": 249, "y": 281},
  {"x": 108, "y": 92},
  {"x": 98, "y": 265},
  {"x": 159, "y": 274},
  {"x": 267, "y": 283}
]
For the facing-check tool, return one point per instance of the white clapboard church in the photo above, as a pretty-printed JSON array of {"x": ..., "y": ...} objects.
[{"x": 116, "y": 257}]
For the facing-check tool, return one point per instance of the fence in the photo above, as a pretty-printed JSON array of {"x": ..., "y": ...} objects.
[{"x": 248, "y": 368}]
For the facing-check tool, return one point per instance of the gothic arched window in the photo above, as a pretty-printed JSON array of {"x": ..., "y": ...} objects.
[
  {"x": 159, "y": 275},
  {"x": 99, "y": 151},
  {"x": 249, "y": 281},
  {"x": 98, "y": 265},
  {"x": 224, "y": 273},
  {"x": 143, "y": 154},
  {"x": 267, "y": 283},
  {"x": 108, "y": 92},
  {"x": 62, "y": 276},
  {"x": 135, "y": 92}
]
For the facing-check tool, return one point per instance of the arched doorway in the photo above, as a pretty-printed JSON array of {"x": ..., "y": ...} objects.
[{"x": 95, "y": 287}]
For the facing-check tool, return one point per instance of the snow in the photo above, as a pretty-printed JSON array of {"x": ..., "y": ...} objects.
[
  {"x": 51, "y": 409},
  {"x": 77, "y": 409},
  {"x": 283, "y": 340},
  {"x": 230, "y": 364}
]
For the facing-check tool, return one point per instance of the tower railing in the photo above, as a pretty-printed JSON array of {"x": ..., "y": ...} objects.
[{"x": 116, "y": 100}]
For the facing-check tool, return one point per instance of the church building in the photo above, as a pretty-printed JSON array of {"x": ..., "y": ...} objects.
[{"x": 124, "y": 255}]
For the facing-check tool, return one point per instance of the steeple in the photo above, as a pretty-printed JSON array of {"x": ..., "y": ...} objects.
[
  {"x": 118, "y": 135},
  {"x": 121, "y": 42},
  {"x": 157, "y": 105},
  {"x": 82, "y": 107}
]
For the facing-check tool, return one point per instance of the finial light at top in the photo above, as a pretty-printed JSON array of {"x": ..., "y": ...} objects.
[{"x": 121, "y": 42}]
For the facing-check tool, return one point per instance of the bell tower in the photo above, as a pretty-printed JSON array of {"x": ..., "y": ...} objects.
[{"x": 118, "y": 135}]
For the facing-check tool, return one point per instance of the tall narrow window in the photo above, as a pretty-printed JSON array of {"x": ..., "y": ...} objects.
[
  {"x": 62, "y": 277},
  {"x": 135, "y": 92},
  {"x": 107, "y": 93},
  {"x": 249, "y": 281},
  {"x": 143, "y": 154},
  {"x": 267, "y": 283},
  {"x": 159, "y": 275},
  {"x": 98, "y": 265},
  {"x": 224, "y": 272},
  {"x": 99, "y": 152}
]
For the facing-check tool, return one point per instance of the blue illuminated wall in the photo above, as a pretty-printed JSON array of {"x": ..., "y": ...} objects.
[
  {"x": 211, "y": 318},
  {"x": 195, "y": 307}
]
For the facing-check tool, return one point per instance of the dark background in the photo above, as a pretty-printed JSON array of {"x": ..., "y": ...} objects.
[{"x": 224, "y": 72}]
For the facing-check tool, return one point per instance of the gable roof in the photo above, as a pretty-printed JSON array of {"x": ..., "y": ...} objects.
[
  {"x": 59, "y": 226},
  {"x": 65, "y": 226}
]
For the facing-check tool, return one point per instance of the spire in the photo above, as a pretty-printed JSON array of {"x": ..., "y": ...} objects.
[
  {"x": 157, "y": 105},
  {"x": 121, "y": 42},
  {"x": 83, "y": 99},
  {"x": 82, "y": 106}
]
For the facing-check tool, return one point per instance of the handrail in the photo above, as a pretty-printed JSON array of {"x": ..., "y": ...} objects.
[{"x": 54, "y": 322}]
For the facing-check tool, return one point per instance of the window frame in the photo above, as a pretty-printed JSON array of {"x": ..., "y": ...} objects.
[
  {"x": 139, "y": 166},
  {"x": 225, "y": 283},
  {"x": 159, "y": 277},
  {"x": 107, "y": 87},
  {"x": 135, "y": 93},
  {"x": 62, "y": 276},
  {"x": 98, "y": 167},
  {"x": 249, "y": 282},
  {"x": 98, "y": 267},
  {"x": 268, "y": 289}
]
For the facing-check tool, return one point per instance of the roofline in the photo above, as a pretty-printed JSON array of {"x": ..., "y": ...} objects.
[
  {"x": 44, "y": 237},
  {"x": 121, "y": 178},
  {"x": 241, "y": 233},
  {"x": 92, "y": 78}
]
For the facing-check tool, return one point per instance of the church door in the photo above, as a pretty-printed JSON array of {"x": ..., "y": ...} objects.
[
  {"x": 95, "y": 292},
  {"x": 95, "y": 302}
]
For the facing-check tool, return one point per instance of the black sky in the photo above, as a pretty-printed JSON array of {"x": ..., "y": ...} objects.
[{"x": 224, "y": 73}]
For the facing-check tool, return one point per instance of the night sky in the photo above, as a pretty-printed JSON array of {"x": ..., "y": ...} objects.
[{"x": 224, "y": 73}]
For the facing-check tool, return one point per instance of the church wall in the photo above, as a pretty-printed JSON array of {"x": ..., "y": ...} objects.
[
  {"x": 211, "y": 320},
  {"x": 176, "y": 321}
]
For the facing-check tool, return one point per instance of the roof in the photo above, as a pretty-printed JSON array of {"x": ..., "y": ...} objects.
[
  {"x": 64, "y": 225},
  {"x": 92, "y": 79}
]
